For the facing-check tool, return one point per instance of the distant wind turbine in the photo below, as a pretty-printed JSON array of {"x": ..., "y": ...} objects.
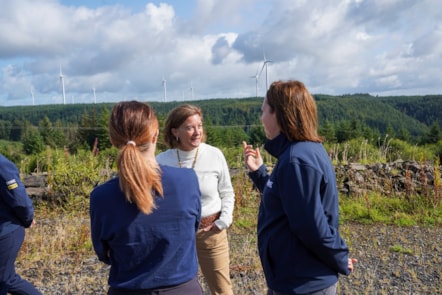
[
  {"x": 164, "y": 88},
  {"x": 191, "y": 90},
  {"x": 62, "y": 86},
  {"x": 95, "y": 97},
  {"x": 32, "y": 93},
  {"x": 256, "y": 80},
  {"x": 265, "y": 65}
]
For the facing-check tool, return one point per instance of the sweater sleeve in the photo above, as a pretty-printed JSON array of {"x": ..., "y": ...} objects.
[
  {"x": 226, "y": 194},
  {"x": 259, "y": 177},
  {"x": 313, "y": 216},
  {"x": 14, "y": 193},
  {"x": 100, "y": 246}
]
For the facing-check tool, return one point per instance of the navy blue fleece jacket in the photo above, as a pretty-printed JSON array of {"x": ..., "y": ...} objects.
[
  {"x": 299, "y": 244},
  {"x": 148, "y": 251},
  {"x": 16, "y": 207}
]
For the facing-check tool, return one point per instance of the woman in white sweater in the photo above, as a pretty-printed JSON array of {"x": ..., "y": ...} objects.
[{"x": 183, "y": 133}]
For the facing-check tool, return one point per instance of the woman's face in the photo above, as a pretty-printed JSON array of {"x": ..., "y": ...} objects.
[
  {"x": 189, "y": 133},
  {"x": 268, "y": 119}
]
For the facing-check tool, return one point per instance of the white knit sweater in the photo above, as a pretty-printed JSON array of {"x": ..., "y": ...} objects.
[{"x": 217, "y": 193}]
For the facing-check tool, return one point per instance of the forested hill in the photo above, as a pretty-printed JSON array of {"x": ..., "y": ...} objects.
[
  {"x": 412, "y": 114},
  {"x": 381, "y": 113}
]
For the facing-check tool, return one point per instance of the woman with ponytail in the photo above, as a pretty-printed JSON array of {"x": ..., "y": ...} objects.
[{"x": 143, "y": 222}]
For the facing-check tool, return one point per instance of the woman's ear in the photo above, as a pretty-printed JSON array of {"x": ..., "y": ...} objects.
[
  {"x": 155, "y": 137},
  {"x": 174, "y": 132}
]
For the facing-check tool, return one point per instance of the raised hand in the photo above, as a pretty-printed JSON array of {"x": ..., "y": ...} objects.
[{"x": 252, "y": 157}]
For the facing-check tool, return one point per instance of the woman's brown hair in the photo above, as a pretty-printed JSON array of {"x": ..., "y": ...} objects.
[
  {"x": 133, "y": 128},
  {"x": 295, "y": 110},
  {"x": 175, "y": 118}
]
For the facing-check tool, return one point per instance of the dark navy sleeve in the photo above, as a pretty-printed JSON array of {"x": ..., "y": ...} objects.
[
  {"x": 101, "y": 247},
  {"x": 198, "y": 207},
  {"x": 302, "y": 203},
  {"x": 13, "y": 193},
  {"x": 259, "y": 177}
]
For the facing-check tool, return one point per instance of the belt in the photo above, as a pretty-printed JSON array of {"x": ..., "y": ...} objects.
[{"x": 206, "y": 221}]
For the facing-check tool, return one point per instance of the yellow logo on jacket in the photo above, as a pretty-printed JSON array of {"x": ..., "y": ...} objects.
[{"x": 11, "y": 184}]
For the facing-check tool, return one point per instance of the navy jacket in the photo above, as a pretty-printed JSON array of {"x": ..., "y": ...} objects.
[
  {"x": 16, "y": 207},
  {"x": 299, "y": 244},
  {"x": 148, "y": 251}
]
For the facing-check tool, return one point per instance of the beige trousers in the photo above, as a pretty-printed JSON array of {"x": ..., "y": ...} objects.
[{"x": 214, "y": 261}]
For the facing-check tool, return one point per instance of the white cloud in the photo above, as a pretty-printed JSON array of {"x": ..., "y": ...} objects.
[{"x": 335, "y": 47}]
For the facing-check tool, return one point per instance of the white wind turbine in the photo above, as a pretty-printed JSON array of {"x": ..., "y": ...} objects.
[
  {"x": 256, "y": 80},
  {"x": 62, "y": 86},
  {"x": 265, "y": 64},
  {"x": 191, "y": 90},
  {"x": 164, "y": 89},
  {"x": 32, "y": 93},
  {"x": 95, "y": 97}
]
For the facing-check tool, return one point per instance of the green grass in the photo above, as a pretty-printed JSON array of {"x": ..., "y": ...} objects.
[
  {"x": 374, "y": 208},
  {"x": 400, "y": 249},
  {"x": 72, "y": 177}
]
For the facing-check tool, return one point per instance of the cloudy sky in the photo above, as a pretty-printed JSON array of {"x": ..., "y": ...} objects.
[{"x": 202, "y": 49}]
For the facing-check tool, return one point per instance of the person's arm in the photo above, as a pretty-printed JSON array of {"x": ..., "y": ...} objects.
[
  {"x": 15, "y": 195},
  {"x": 259, "y": 177},
  {"x": 195, "y": 186},
  {"x": 100, "y": 246},
  {"x": 227, "y": 195},
  {"x": 300, "y": 193}
]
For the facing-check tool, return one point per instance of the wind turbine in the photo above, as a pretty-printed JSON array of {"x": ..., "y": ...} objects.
[
  {"x": 191, "y": 90},
  {"x": 164, "y": 88},
  {"x": 256, "y": 80},
  {"x": 265, "y": 64},
  {"x": 95, "y": 97},
  {"x": 32, "y": 93},
  {"x": 62, "y": 86}
]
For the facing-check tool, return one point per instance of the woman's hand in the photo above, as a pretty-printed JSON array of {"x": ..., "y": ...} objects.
[
  {"x": 351, "y": 262},
  {"x": 212, "y": 227},
  {"x": 253, "y": 159}
]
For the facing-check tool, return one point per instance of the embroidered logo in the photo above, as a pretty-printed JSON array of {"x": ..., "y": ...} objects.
[
  {"x": 269, "y": 184},
  {"x": 11, "y": 184}
]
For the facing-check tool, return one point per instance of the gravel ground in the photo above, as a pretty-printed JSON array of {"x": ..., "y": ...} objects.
[{"x": 392, "y": 260}]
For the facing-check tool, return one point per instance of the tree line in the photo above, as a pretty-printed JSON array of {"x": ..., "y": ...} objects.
[{"x": 415, "y": 120}]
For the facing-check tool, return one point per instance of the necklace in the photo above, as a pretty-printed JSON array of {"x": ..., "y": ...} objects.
[{"x": 194, "y": 159}]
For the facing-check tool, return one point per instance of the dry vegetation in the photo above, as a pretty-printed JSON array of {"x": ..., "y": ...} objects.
[{"x": 58, "y": 257}]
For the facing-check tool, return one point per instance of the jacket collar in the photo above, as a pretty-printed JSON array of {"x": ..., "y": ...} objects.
[{"x": 277, "y": 145}]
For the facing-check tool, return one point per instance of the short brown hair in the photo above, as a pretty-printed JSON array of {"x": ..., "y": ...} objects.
[
  {"x": 295, "y": 110},
  {"x": 175, "y": 118}
]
